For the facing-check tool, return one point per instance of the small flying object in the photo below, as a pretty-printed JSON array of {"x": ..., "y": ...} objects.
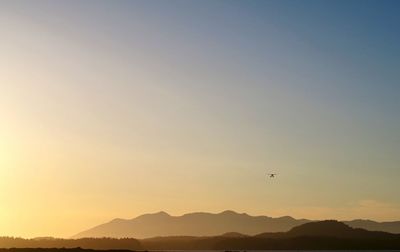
[{"x": 271, "y": 175}]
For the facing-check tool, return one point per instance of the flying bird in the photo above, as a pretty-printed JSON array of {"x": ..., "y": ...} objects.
[{"x": 271, "y": 175}]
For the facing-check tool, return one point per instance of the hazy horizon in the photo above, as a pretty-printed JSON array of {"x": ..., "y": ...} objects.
[
  {"x": 157, "y": 213},
  {"x": 112, "y": 109}
]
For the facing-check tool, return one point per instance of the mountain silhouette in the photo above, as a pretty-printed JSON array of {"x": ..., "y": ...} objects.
[
  {"x": 388, "y": 226},
  {"x": 208, "y": 224},
  {"x": 328, "y": 228},
  {"x": 192, "y": 224}
]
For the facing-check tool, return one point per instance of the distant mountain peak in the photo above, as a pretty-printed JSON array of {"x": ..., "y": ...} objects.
[
  {"x": 233, "y": 235},
  {"x": 117, "y": 220},
  {"x": 286, "y": 217},
  {"x": 229, "y": 212},
  {"x": 162, "y": 213},
  {"x": 153, "y": 215}
]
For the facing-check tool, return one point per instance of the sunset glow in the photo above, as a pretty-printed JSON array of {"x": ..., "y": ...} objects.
[{"x": 112, "y": 109}]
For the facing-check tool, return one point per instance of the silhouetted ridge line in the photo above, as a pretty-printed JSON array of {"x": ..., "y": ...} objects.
[
  {"x": 209, "y": 224},
  {"x": 191, "y": 224}
]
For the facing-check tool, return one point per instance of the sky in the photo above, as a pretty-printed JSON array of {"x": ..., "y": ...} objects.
[{"x": 118, "y": 108}]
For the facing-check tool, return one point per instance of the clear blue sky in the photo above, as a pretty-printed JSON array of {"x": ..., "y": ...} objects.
[{"x": 116, "y": 108}]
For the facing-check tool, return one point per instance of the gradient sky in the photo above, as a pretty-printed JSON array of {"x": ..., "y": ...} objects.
[{"x": 117, "y": 108}]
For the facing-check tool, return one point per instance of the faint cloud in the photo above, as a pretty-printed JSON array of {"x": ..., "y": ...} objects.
[
  {"x": 374, "y": 209},
  {"x": 363, "y": 209}
]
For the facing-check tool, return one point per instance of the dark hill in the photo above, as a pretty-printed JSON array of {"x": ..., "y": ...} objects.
[
  {"x": 324, "y": 235},
  {"x": 329, "y": 228},
  {"x": 332, "y": 228}
]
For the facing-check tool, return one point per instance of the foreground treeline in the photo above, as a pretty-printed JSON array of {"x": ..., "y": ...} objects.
[
  {"x": 55, "y": 250},
  {"x": 254, "y": 243},
  {"x": 85, "y": 243},
  {"x": 199, "y": 243}
]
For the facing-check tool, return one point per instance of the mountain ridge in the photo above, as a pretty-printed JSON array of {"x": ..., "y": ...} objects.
[{"x": 161, "y": 224}]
